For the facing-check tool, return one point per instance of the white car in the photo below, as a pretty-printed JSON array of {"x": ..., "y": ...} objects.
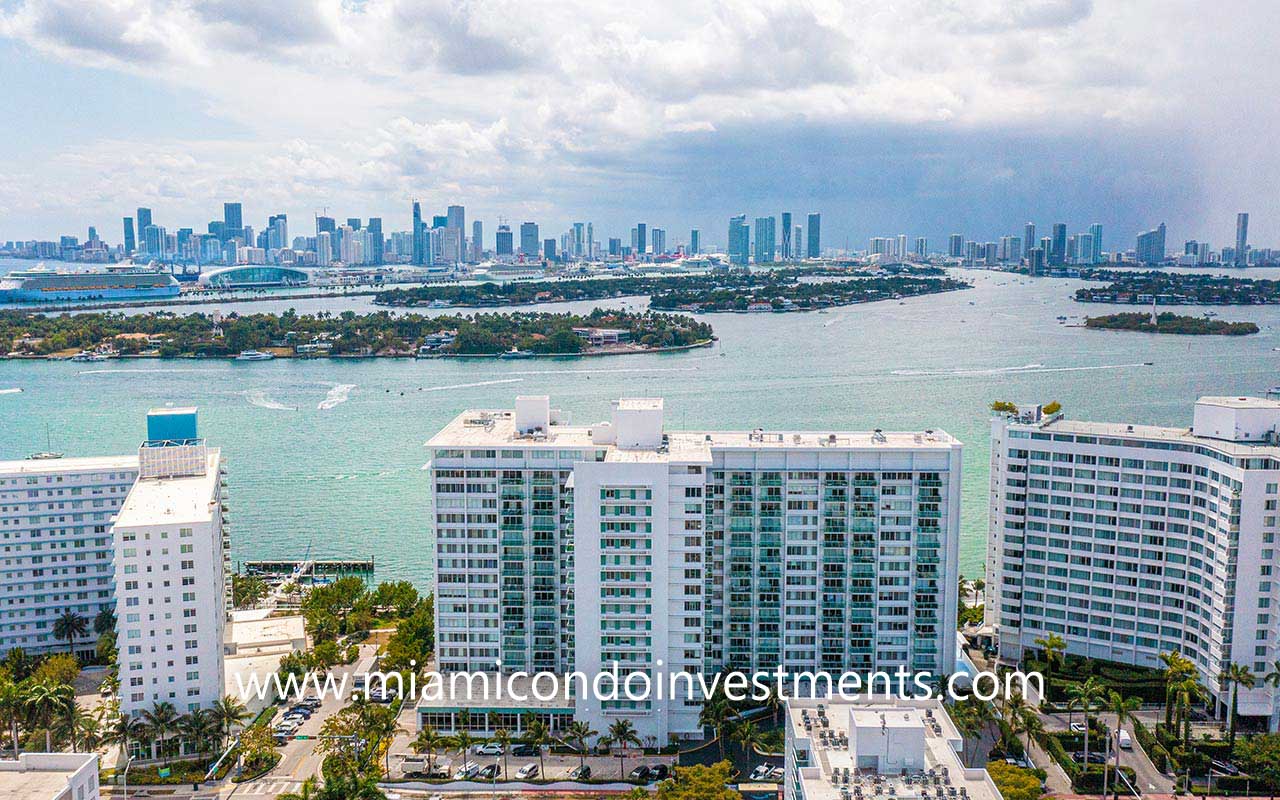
[
  {"x": 467, "y": 770},
  {"x": 1077, "y": 727},
  {"x": 527, "y": 771},
  {"x": 488, "y": 749}
]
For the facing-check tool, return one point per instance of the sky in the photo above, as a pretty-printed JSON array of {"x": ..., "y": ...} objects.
[{"x": 923, "y": 117}]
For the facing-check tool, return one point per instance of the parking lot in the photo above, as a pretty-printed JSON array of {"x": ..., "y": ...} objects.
[{"x": 557, "y": 766}]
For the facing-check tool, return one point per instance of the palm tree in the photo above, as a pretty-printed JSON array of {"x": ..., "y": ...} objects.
[
  {"x": 307, "y": 791},
  {"x": 162, "y": 722},
  {"x": 580, "y": 733},
  {"x": 198, "y": 728},
  {"x": 1187, "y": 693},
  {"x": 748, "y": 736},
  {"x": 715, "y": 715},
  {"x": 1124, "y": 708},
  {"x": 43, "y": 701},
  {"x": 428, "y": 741},
  {"x": 1052, "y": 645},
  {"x": 1029, "y": 723},
  {"x": 1235, "y": 676},
  {"x": 74, "y": 725},
  {"x": 538, "y": 734},
  {"x": 13, "y": 702},
  {"x": 463, "y": 740},
  {"x": 68, "y": 626},
  {"x": 1272, "y": 678},
  {"x": 503, "y": 737},
  {"x": 1092, "y": 691},
  {"x": 622, "y": 733},
  {"x": 228, "y": 713},
  {"x": 123, "y": 731},
  {"x": 774, "y": 703},
  {"x": 350, "y": 787},
  {"x": 1176, "y": 669},
  {"x": 104, "y": 621}
]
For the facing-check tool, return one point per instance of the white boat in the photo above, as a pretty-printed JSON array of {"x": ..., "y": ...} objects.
[
  {"x": 516, "y": 353},
  {"x": 254, "y": 355},
  {"x": 86, "y": 356}
]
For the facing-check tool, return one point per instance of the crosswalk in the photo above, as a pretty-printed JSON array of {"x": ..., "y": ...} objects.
[{"x": 267, "y": 787}]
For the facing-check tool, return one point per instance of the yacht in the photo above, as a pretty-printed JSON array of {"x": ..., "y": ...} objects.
[
  {"x": 254, "y": 355},
  {"x": 515, "y": 352}
]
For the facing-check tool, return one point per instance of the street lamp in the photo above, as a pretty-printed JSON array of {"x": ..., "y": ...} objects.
[{"x": 125, "y": 788}]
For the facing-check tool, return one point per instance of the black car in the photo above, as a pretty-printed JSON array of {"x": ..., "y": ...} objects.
[
  {"x": 524, "y": 750},
  {"x": 641, "y": 773},
  {"x": 581, "y": 773},
  {"x": 1094, "y": 757},
  {"x": 659, "y": 772},
  {"x": 488, "y": 772}
]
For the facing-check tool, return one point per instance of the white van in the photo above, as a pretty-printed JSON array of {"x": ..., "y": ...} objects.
[
  {"x": 467, "y": 770},
  {"x": 1126, "y": 742}
]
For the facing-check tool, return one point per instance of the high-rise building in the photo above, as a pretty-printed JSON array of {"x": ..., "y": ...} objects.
[
  {"x": 814, "y": 237},
  {"x": 579, "y": 239},
  {"x": 377, "y": 243},
  {"x": 549, "y": 249},
  {"x": 232, "y": 219},
  {"x": 766, "y": 244},
  {"x": 1150, "y": 247},
  {"x": 642, "y": 233},
  {"x": 659, "y": 237},
  {"x": 1129, "y": 540},
  {"x": 324, "y": 249},
  {"x": 922, "y": 247},
  {"x": 797, "y": 242},
  {"x": 955, "y": 245},
  {"x": 1085, "y": 253},
  {"x": 1095, "y": 230},
  {"x": 733, "y": 570},
  {"x": 529, "y": 239},
  {"x": 1058, "y": 253},
  {"x": 143, "y": 220},
  {"x": 477, "y": 240},
  {"x": 130, "y": 243},
  {"x": 171, "y": 583},
  {"x": 154, "y": 239},
  {"x": 1029, "y": 235},
  {"x": 504, "y": 244},
  {"x": 739, "y": 240},
  {"x": 786, "y": 235},
  {"x": 1242, "y": 239},
  {"x": 1036, "y": 261},
  {"x": 695, "y": 242},
  {"x": 615, "y": 246},
  {"x": 418, "y": 256},
  {"x": 456, "y": 217}
]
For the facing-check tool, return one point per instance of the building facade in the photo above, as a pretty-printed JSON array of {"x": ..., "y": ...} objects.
[
  {"x": 565, "y": 548},
  {"x": 1129, "y": 541}
]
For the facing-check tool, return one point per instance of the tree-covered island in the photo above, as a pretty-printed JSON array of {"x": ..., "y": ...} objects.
[
  {"x": 1168, "y": 322},
  {"x": 1176, "y": 288}
]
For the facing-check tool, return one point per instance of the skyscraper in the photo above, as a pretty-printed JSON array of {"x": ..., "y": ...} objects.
[
  {"x": 1242, "y": 239},
  {"x": 766, "y": 248},
  {"x": 417, "y": 257},
  {"x": 1095, "y": 230},
  {"x": 503, "y": 244},
  {"x": 1029, "y": 235},
  {"x": 377, "y": 244},
  {"x": 529, "y": 239},
  {"x": 695, "y": 242},
  {"x": 143, "y": 221},
  {"x": 786, "y": 235},
  {"x": 1150, "y": 246},
  {"x": 456, "y": 217},
  {"x": 477, "y": 240},
  {"x": 615, "y": 246},
  {"x": 739, "y": 240},
  {"x": 659, "y": 237},
  {"x": 130, "y": 243},
  {"x": 549, "y": 249},
  {"x": 922, "y": 247},
  {"x": 814, "y": 236},
  {"x": 642, "y": 234},
  {"x": 579, "y": 229},
  {"x": 232, "y": 220},
  {"x": 1058, "y": 255},
  {"x": 955, "y": 245}
]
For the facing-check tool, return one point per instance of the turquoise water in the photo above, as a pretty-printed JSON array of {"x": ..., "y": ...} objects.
[{"x": 327, "y": 455}]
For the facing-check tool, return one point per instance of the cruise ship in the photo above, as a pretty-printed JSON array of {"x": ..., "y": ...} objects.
[{"x": 125, "y": 282}]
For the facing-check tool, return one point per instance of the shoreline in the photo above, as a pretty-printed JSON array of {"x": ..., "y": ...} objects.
[{"x": 179, "y": 301}]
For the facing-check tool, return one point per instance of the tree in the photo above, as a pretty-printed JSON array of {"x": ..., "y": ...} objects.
[
  {"x": 748, "y": 736},
  {"x": 538, "y": 734},
  {"x": 1234, "y": 677},
  {"x": 13, "y": 705},
  {"x": 69, "y": 626},
  {"x": 715, "y": 715},
  {"x": 57, "y": 668},
  {"x": 44, "y": 700},
  {"x": 125, "y": 730},
  {"x": 1092, "y": 691},
  {"x": 1014, "y": 783},
  {"x": 350, "y": 787},
  {"x": 199, "y": 728},
  {"x": 1052, "y": 646},
  {"x": 104, "y": 621},
  {"x": 699, "y": 782},
  {"x": 1124, "y": 708},
  {"x": 247, "y": 590},
  {"x": 503, "y": 737},
  {"x": 1259, "y": 756},
  {"x": 622, "y": 734},
  {"x": 580, "y": 733},
  {"x": 1186, "y": 694},
  {"x": 1176, "y": 668},
  {"x": 228, "y": 714},
  {"x": 161, "y": 722},
  {"x": 428, "y": 741}
]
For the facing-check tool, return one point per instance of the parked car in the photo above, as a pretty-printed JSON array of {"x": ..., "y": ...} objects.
[
  {"x": 1077, "y": 727},
  {"x": 579, "y": 773},
  {"x": 467, "y": 770},
  {"x": 527, "y": 771},
  {"x": 488, "y": 749},
  {"x": 1224, "y": 767},
  {"x": 659, "y": 772},
  {"x": 641, "y": 773},
  {"x": 489, "y": 772},
  {"x": 1126, "y": 741},
  {"x": 524, "y": 750},
  {"x": 1095, "y": 757}
]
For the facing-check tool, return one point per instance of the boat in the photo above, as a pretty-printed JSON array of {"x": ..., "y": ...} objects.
[
  {"x": 516, "y": 353},
  {"x": 122, "y": 282},
  {"x": 254, "y": 355},
  {"x": 87, "y": 356}
]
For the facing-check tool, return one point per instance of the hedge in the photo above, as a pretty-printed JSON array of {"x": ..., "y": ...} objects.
[
  {"x": 1053, "y": 746},
  {"x": 1090, "y": 782}
]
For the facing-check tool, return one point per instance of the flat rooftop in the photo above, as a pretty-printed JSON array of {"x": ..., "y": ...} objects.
[
  {"x": 256, "y": 632},
  {"x": 482, "y": 428},
  {"x": 42, "y": 776},
  {"x": 826, "y": 738},
  {"x": 49, "y": 466},
  {"x": 1242, "y": 402},
  {"x": 1119, "y": 430},
  {"x": 166, "y": 501}
]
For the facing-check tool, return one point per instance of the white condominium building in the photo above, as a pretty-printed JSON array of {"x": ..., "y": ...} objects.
[
  {"x": 1131, "y": 540},
  {"x": 170, "y": 570},
  {"x": 55, "y": 545},
  {"x": 565, "y": 547}
]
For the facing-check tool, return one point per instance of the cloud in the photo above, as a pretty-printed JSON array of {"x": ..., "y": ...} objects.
[{"x": 532, "y": 103}]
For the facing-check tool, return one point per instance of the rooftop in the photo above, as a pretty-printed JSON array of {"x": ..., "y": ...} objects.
[
  {"x": 166, "y": 501},
  {"x": 45, "y": 776},
  {"x": 857, "y": 751},
  {"x": 1120, "y": 430},
  {"x": 45, "y": 466}
]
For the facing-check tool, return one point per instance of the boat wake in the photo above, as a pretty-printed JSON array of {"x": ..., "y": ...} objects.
[
  {"x": 338, "y": 395},
  {"x": 14, "y": 390},
  {"x": 963, "y": 373},
  {"x": 624, "y": 370},
  {"x": 259, "y": 398},
  {"x": 470, "y": 385},
  {"x": 139, "y": 371}
]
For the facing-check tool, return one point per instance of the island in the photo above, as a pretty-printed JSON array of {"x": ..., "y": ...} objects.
[
  {"x": 1171, "y": 323},
  {"x": 800, "y": 289},
  {"x": 381, "y": 334},
  {"x": 1176, "y": 288}
]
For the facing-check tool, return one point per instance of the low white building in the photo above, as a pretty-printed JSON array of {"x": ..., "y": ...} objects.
[
  {"x": 50, "y": 776},
  {"x": 255, "y": 644},
  {"x": 877, "y": 750}
]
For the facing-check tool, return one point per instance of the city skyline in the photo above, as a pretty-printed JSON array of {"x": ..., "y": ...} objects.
[{"x": 616, "y": 114}]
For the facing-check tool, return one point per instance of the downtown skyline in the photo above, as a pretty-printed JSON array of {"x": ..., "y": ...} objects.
[{"x": 1044, "y": 111}]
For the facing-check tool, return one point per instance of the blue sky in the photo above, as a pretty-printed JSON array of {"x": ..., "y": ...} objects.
[{"x": 920, "y": 116}]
